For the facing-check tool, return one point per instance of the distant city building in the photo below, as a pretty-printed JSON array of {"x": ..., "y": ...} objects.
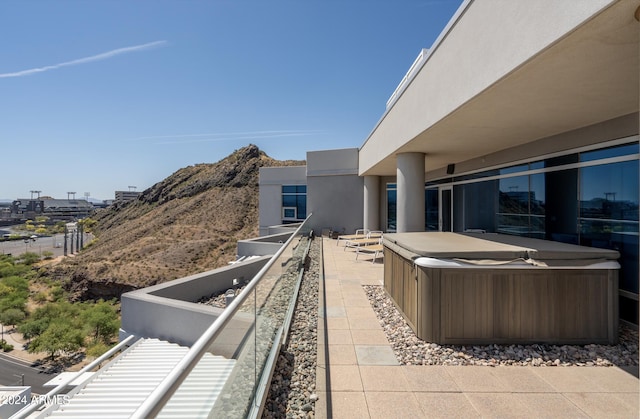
[
  {"x": 52, "y": 208},
  {"x": 124, "y": 196},
  {"x": 103, "y": 204}
]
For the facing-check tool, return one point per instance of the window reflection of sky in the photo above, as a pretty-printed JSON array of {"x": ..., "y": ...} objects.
[{"x": 612, "y": 182}]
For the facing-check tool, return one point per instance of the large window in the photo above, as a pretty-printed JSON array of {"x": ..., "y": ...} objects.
[
  {"x": 589, "y": 198},
  {"x": 294, "y": 203},
  {"x": 609, "y": 214}
]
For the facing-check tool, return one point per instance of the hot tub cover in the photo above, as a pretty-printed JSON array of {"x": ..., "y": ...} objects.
[
  {"x": 549, "y": 250},
  {"x": 489, "y": 246}
]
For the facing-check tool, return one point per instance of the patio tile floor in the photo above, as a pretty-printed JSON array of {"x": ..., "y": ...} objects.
[{"x": 358, "y": 375}]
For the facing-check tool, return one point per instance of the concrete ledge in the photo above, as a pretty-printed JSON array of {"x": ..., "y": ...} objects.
[
  {"x": 265, "y": 245},
  {"x": 170, "y": 311}
]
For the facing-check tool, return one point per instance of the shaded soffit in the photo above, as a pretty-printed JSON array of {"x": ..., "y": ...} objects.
[{"x": 589, "y": 76}]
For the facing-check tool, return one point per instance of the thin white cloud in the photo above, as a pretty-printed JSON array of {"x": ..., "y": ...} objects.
[
  {"x": 228, "y": 136},
  {"x": 85, "y": 60}
]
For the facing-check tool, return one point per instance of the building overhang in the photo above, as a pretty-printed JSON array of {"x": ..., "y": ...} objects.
[{"x": 503, "y": 75}]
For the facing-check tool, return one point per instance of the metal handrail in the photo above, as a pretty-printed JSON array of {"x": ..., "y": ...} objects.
[{"x": 161, "y": 394}]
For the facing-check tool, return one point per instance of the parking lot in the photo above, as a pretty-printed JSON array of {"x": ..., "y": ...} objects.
[{"x": 53, "y": 244}]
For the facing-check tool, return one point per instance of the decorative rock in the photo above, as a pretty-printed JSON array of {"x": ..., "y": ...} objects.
[{"x": 296, "y": 366}]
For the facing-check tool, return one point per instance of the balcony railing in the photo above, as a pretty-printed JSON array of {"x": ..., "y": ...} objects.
[{"x": 250, "y": 331}]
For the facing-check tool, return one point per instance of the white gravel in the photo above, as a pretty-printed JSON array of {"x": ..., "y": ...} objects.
[{"x": 292, "y": 393}]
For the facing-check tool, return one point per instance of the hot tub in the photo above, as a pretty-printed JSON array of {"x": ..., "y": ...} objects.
[{"x": 490, "y": 288}]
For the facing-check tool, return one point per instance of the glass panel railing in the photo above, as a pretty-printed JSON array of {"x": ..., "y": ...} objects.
[
  {"x": 227, "y": 371},
  {"x": 267, "y": 307}
]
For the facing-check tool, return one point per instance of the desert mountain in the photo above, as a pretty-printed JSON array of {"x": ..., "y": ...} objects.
[{"x": 187, "y": 223}]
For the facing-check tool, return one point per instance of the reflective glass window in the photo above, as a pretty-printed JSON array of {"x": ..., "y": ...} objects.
[
  {"x": 514, "y": 169},
  {"x": 610, "y": 191},
  {"x": 609, "y": 214},
  {"x": 513, "y": 216},
  {"x": 605, "y": 153},
  {"x": 289, "y": 200},
  {"x": 294, "y": 196},
  {"x": 301, "y": 206},
  {"x": 479, "y": 206},
  {"x": 431, "y": 209},
  {"x": 391, "y": 207}
]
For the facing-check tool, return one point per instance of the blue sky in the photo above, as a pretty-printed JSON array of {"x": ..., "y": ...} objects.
[{"x": 97, "y": 96}]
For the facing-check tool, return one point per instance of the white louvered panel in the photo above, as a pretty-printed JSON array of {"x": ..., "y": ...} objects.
[{"x": 120, "y": 388}]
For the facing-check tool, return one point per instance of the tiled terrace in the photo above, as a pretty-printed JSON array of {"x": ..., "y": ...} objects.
[{"x": 358, "y": 375}]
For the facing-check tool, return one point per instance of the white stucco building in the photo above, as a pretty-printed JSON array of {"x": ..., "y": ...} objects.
[{"x": 521, "y": 119}]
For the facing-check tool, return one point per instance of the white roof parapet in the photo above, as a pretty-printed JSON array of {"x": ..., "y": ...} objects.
[{"x": 413, "y": 70}]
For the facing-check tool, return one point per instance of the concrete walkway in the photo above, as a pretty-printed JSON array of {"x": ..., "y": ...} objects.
[{"x": 358, "y": 375}]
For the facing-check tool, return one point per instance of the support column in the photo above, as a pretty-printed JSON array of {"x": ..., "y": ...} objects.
[
  {"x": 410, "y": 195},
  {"x": 372, "y": 202}
]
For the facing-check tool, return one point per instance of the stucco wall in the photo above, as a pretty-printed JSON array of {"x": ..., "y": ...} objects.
[
  {"x": 163, "y": 311},
  {"x": 335, "y": 193}
]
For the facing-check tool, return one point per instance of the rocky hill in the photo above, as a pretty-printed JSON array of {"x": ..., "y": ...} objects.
[{"x": 188, "y": 223}]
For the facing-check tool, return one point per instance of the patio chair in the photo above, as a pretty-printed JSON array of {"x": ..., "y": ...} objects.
[
  {"x": 372, "y": 238},
  {"x": 376, "y": 249},
  {"x": 361, "y": 233}
]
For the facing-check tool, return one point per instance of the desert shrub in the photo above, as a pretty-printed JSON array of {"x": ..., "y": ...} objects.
[{"x": 40, "y": 297}]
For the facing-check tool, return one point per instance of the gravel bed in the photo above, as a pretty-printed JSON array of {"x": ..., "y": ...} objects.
[
  {"x": 292, "y": 393},
  {"x": 410, "y": 350},
  {"x": 218, "y": 299}
]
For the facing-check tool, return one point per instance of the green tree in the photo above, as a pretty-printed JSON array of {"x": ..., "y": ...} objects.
[
  {"x": 61, "y": 335},
  {"x": 11, "y": 317},
  {"x": 39, "y": 321},
  {"x": 101, "y": 319},
  {"x": 13, "y": 301},
  {"x": 33, "y": 327},
  {"x": 14, "y": 291}
]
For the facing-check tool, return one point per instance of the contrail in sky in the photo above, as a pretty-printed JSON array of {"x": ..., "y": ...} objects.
[{"x": 85, "y": 60}]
